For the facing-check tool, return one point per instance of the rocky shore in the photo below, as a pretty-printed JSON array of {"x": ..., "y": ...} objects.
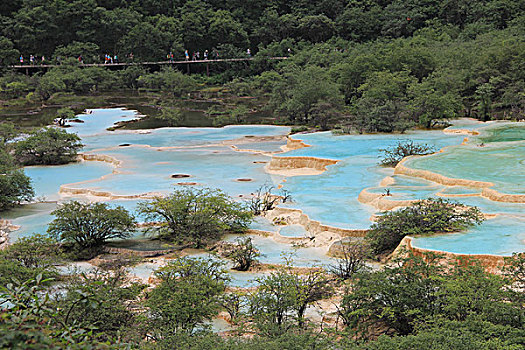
[{"x": 5, "y": 228}]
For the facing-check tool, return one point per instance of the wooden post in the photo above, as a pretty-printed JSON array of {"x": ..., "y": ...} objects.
[
  {"x": 207, "y": 69},
  {"x": 188, "y": 67}
]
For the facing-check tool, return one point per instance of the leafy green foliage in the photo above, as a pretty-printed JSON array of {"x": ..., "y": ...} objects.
[
  {"x": 188, "y": 295},
  {"x": 172, "y": 116},
  {"x": 301, "y": 91},
  {"x": 102, "y": 301},
  {"x": 86, "y": 227},
  {"x": 393, "y": 155},
  {"x": 169, "y": 80},
  {"x": 427, "y": 216},
  {"x": 15, "y": 186},
  {"x": 88, "y": 51},
  {"x": 8, "y": 53},
  {"x": 195, "y": 216},
  {"x": 30, "y": 322},
  {"x": 234, "y": 302},
  {"x": 446, "y": 335},
  {"x": 48, "y": 146},
  {"x": 418, "y": 290},
  {"x": 282, "y": 298},
  {"x": 29, "y": 257},
  {"x": 382, "y": 105},
  {"x": 35, "y": 252}
]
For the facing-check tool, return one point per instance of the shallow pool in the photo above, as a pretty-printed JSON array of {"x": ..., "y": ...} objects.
[{"x": 161, "y": 160}]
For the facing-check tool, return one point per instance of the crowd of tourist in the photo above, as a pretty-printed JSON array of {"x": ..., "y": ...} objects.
[{"x": 113, "y": 59}]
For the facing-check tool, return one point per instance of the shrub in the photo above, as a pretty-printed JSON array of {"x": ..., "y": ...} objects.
[
  {"x": 423, "y": 217},
  {"x": 86, "y": 227},
  {"x": 15, "y": 186},
  {"x": 48, "y": 146},
  {"x": 187, "y": 295},
  {"x": 244, "y": 254},
  {"x": 195, "y": 216},
  {"x": 393, "y": 155}
]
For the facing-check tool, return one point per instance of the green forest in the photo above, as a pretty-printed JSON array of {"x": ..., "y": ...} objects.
[
  {"x": 375, "y": 66},
  {"x": 350, "y": 66}
]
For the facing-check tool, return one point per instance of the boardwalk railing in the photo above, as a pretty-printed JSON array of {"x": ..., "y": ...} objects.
[{"x": 123, "y": 64}]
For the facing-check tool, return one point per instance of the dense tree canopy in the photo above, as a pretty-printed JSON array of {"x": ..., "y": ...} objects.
[{"x": 39, "y": 27}]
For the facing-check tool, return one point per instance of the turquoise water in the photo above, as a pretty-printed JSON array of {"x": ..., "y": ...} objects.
[
  {"x": 46, "y": 182},
  {"x": 149, "y": 170},
  {"x": 149, "y": 158},
  {"x": 502, "y": 165},
  {"x": 501, "y": 236},
  {"x": 293, "y": 231},
  {"x": 467, "y": 124},
  {"x": 332, "y": 197},
  {"x": 505, "y": 133}
]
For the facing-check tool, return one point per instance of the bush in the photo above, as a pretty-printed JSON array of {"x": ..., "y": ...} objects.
[
  {"x": 350, "y": 259},
  {"x": 393, "y": 155},
  {"x": 297, "y": 129},
  {"x": 102, "y": 300},
  {"x": 27, "y": 258},
  {"x": 195, "y": 216},
  {"x": 15, "y": 186},
  {"x": 419, "y": 290},
  {"x": 31, "y": 321},
  {"x": 64, "y": 114},
  {"x": 87, "y": 227},
  {"x": 244, "y": 254},
  {"x": 35, "y": 252},
  {"x": 48, "y": 146},
  {"x": 283, "y": 296},
  {"x": 187, "y": 295},
  {"x": 423, "y": 217}
]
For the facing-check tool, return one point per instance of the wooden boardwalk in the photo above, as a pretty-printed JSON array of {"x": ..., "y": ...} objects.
[{"x": 159, "y": 63}]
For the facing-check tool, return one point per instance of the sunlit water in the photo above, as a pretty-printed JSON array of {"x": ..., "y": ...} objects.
[{"x": 149, "y": 158}]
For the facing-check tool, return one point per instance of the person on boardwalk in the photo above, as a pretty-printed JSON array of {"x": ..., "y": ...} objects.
[
  {"x": 248, "y": 53},
  {"x": 186, "y": 55},
  {"x": 205, "y": 54}
]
